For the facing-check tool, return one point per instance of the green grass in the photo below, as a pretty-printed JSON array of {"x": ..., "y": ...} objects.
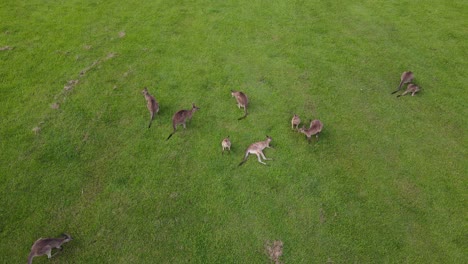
[{"x": 388, "y": 174}]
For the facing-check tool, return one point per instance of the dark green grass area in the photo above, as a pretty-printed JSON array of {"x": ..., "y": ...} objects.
[{"x": 386, "y": 183}]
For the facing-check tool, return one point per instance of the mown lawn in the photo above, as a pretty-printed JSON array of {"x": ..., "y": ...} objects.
[{"x": 386, "y": 183}]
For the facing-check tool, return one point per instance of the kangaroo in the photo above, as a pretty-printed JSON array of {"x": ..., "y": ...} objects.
[
  {"x": 44, "y": 246},
  {"x": 295, "y": 122},
  {"x": 152, "y": 104},
  {"x": 226, "y": 144},
  {"x": 257, "y": 149},
  {"x": 242, "y": 101},
  {"x": 181, "y": 117},
  {"x": 412, "y": 88},
  {"x": 406, "y": 77},
  {"x": 314, "y": 129}
]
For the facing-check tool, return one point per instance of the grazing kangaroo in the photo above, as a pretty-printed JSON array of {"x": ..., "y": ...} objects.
[
  {"x": 314, "y": 129},
  {"x": 226, "y": 144},
  {"x": 152, "y": 104},
  {"x": 257, "y": 149},
  {"x": 295, "y": 122},
  {"x": 44, "y": 246},
  {"x": 412, "y": 88},
  {"x": 181, "y": 117},
  {"x": 406, "y": 77},
  {"x": 242, "y": 101}
]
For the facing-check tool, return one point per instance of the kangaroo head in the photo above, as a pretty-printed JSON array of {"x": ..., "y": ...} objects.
[
  {"x": 194, "y": 107},
  {"x": 145, "y": 91},
  {"x": 67, "y": 237}
]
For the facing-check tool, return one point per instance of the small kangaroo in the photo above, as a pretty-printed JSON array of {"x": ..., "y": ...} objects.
[
  {"x": 314, "y": 129},
  {"x": 152, "y": 104},
  {"x": 181, "y": 117},
  {"x": 257, "y": 149},
  {"x": 226, "y": 144},
  {"x": 242, "y": 101},
  {"x": 295, "y": 122},
  {"x": 412, "y": 88},
  {"x": 44, "y": 246},
  {"x": 406, "y": 77}
]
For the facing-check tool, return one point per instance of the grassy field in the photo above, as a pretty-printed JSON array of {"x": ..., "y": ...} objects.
[{"x": 386, "y": 183}]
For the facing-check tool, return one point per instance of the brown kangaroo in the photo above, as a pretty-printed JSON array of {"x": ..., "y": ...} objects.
[
  {"x": 412, "y": 88},
  {"x": 257, "y": 149},
  {"x": 406, "y": 77},
  {"x": 152, "y": 104},
  {"x": 295, "y": 122},
  {"x": 314, "y": 129},
  {"x": 242, "y": 101},
  {"x": 226, "y": 144},
  {"x": 44, "y": 246},
  {"x": 181, "y": 117}
]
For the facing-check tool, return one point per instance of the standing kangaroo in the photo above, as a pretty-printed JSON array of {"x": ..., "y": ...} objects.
[
  {"x": 314, "y": 129},
  {"x": 152, "y": 104},
  {"x": 412, "y": 88},
  {"x": 257, "y": 149},
  {"x": 406, "y": 77},
  {"x": 44, "y": 246},
  {"x": 242, "y": 101},
  {"x": 181, "y": 117},
  {"x": 226, "y": 144},
  {"x": 295, "y": 121}
]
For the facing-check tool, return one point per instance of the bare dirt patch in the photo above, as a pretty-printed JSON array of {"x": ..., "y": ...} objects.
[
  {"x": 274, "y": 250},
  {"x": 6, "y": 48}
]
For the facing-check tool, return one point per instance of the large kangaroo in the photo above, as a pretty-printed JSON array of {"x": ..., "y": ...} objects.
[
  {"x": 406, "y": 77},
  {"x": 44, "y": 246},
  {"x": 242, "y": 101},
  {"x": 181, "y": 117},
  {"x": 412, "y": 88},
  {"x": 152, "y": 104},
  {"x": 314, "y": 129},
  {"x": 257, "y": 149}
]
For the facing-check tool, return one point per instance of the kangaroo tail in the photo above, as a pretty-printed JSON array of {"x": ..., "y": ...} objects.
[
  {"x": 245, "y": 114},
  {"x": 30, "y": 258},
  {"x": 399, "y": 87},
  {"x": 245, "y": 159},
  {"x": 170, "y": 136},
  {"x": 151, "y": 119}
]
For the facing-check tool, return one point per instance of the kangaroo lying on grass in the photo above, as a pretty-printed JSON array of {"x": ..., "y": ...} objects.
[
  {"x": 257, "y": 149},
  {"x": 314, "y": 129},
  {"x": 412, "y": 88},
  {"x": 406, "y": 77},
  {"x": 226, "y": 144},
  {"x": 152, "y": 104},
  {"x": 44, "y": 246},
  {"x": 242, "y": 101},
  {"x": 181, "y": 117}
]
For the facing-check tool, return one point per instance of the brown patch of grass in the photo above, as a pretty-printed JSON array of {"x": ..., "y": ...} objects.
[
  {"x": 274, "y": 250},
  {"x": 55, "y": 106},
  {"x": 6, "y": 48},
  {"x": 122, "y": 34},
  {"x": 70, "y": 85}
]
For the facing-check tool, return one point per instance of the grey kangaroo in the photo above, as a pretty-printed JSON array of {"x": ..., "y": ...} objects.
[
  {"x": 181, "y": 117},
  {"x": 295, "y": 121},
  {"x": 412, "y": 88},
  {"x": 242, "y": 101},
  {"x": 406, "y": 77},
  {"x": 257, "y": 149},
  {"x": 151, "y": 103},
  {"x": 226, "y": 144},
  {"x": 314, "y": 129},
  {"x": 44, "y": 246}
]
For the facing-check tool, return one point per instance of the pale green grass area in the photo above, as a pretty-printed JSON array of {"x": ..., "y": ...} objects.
[{"x": 386, "y": 183}]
